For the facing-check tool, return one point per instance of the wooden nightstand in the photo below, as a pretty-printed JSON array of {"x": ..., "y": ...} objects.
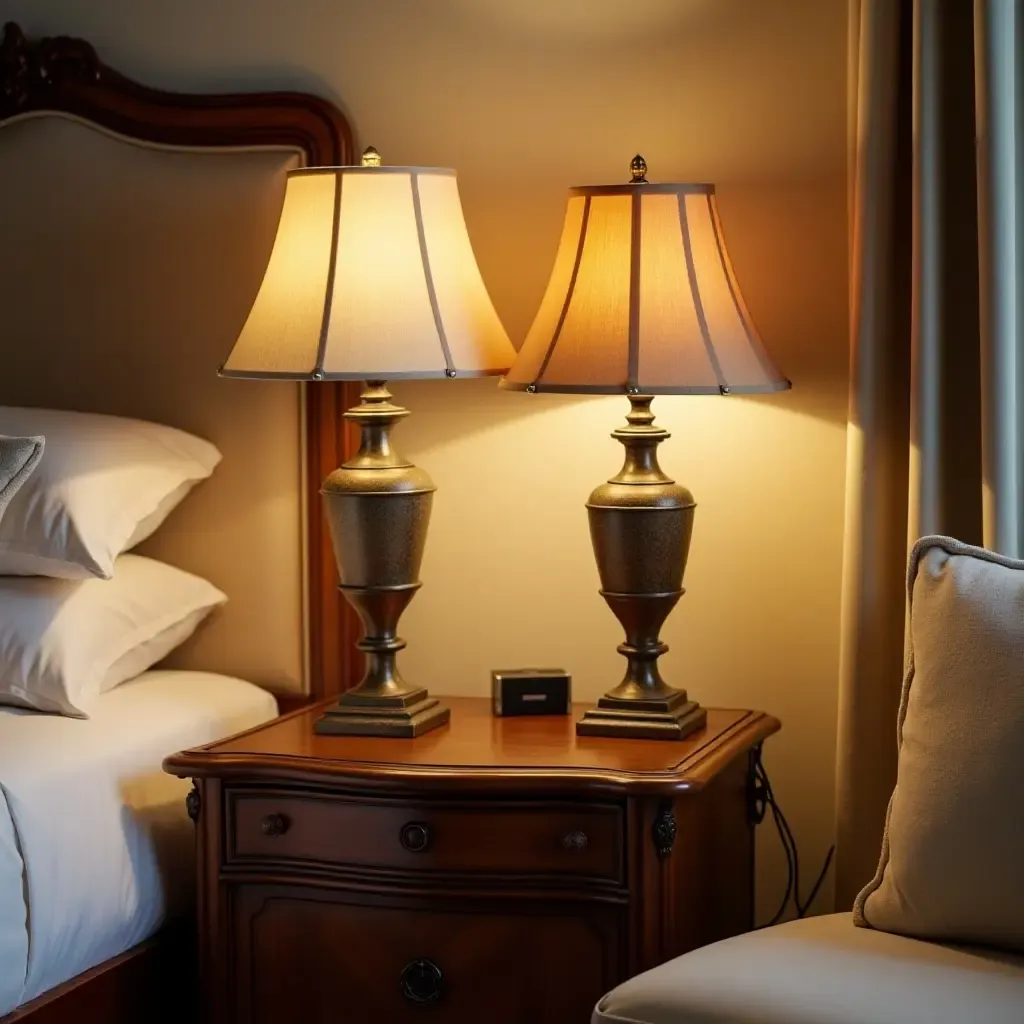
[{"x": 498, "y": 869}]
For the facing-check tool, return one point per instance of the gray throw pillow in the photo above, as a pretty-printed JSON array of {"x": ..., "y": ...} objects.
[
  {"x": 952, "y": 863},
  {"x": 18, "y": 457}
]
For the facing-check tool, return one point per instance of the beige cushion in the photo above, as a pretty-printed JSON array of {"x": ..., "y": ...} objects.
[
  {"x": 952, "y": 863},
  {"x": 823, "y": 970},
  {"x": 18, "y": 457}
]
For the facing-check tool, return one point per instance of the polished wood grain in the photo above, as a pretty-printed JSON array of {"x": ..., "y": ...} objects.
[
  {"x": 514, "y": 870},
  {"x": 548, "y": 840},
  {"x": 155, "y": 981},
  {"x": 332, "y": 956},
  {"x": 476, "y": 750}
]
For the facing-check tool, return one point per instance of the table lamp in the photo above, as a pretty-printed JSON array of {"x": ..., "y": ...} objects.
[
  {"x": 372, "y": 277},
  {"x": 642, "y": 301}
]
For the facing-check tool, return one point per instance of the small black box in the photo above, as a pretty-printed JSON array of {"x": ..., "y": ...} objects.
[{"x": 531, "y": 691}]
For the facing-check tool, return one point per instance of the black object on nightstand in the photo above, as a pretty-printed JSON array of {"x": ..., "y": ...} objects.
[{"x": 531, "y": 691}]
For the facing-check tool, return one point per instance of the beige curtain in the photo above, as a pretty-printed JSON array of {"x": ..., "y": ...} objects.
[{"x": 936, "y": 417}]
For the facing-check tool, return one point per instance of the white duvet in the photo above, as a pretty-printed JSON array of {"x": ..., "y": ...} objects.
[{"x": 96, "y": 849}]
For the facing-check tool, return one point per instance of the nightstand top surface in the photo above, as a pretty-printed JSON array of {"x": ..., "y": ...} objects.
[{"x": 476, "y": 748}]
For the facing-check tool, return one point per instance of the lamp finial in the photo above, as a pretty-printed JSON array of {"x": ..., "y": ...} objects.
[
  {"x": 371, "y": 158},
  {"x": 638, "y": 169}
]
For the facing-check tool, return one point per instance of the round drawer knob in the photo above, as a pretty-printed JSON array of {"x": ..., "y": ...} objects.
[
  {"x": 575, "y": 841},
  {"x": 421, "y": 981},
  {"x": 415, "y": 837},
  {"x": 274, "y": 825}
]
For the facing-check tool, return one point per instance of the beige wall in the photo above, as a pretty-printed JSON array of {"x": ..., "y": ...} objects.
[{"x": 526, "y": 97}]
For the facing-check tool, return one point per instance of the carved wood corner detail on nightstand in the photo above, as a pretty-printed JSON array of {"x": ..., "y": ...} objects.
[
  {"x": 193, "y": 802},
  {"x": 664, "y": 830}
]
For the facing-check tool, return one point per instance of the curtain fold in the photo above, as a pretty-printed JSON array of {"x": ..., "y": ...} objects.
[
  {"x": 997, "y": 48},
  {"x": 934, "y": 438}
]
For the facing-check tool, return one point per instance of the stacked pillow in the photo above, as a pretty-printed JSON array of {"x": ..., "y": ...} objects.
[{"x": 78, "y": 615}]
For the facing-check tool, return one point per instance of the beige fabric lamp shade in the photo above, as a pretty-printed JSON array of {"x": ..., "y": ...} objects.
[
  {"x": 643, "y": 298},
  {"x": 372, "y": 276}
]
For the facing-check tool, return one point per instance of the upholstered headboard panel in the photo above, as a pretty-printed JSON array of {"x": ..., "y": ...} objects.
[
  {"x": 125, "y": 273},
  {"x": 127, "y": 267}
]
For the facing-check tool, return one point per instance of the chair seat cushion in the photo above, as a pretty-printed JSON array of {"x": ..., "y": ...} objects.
[{"x": 824, "y": 970}]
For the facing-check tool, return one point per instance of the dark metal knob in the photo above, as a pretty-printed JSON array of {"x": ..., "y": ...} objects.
[
  {"x": 575, "y": 841},
  {"x": 274, "y": 825},
  {"x": 421, "y": 981},
  {"x": 415, "y": 836}
]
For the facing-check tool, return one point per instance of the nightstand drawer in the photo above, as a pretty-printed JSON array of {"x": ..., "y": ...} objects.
[
  {"x": 584, "y": 841},
  {"x": 342, "y": 957}
]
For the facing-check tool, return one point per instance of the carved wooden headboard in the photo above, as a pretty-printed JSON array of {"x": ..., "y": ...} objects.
[{"x": 64, "y": 79}]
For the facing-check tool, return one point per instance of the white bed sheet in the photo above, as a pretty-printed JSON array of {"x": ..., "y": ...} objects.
[{"x": 96, "y": 849}]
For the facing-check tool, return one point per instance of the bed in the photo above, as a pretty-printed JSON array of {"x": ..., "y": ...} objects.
[
  {"x": 136, "y": 227},
  {"x": 94, "y": 842}
]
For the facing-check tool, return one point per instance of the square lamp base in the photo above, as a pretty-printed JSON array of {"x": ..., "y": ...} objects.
[
  {"x": 671, "y": 719},
  {"x": 352, "y": 716}
]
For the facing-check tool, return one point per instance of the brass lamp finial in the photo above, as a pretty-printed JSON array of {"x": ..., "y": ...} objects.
[
  {"x": 638, "y": 169},
  {"x": 371, "y": 158}
]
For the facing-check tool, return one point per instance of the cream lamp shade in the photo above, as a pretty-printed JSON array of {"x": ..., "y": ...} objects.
[
  {"x": 372, "y": 277},
  {"x": 643, "y": 299}
]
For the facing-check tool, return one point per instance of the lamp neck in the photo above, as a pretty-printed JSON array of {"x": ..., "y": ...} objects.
[
  {"x": 640, "y": 437},
  {"x": 376, "y": 415}
]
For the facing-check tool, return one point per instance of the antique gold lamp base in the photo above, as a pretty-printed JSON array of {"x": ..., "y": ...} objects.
[
  {"x": 641, "y": 522},
  {"x": 378, "y": 507}
]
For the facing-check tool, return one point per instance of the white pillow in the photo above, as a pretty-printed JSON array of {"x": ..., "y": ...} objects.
[
  {"x": 105, "y": 485},
  {"x": 63, "y": 642}
]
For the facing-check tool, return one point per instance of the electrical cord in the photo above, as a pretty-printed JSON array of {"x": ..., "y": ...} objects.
[{"x": 762, "y": 801}]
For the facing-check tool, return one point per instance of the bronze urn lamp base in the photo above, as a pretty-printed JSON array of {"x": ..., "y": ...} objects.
[
  {"x": 641, "y": 522},
  {"x": 378, "y": 507}
]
